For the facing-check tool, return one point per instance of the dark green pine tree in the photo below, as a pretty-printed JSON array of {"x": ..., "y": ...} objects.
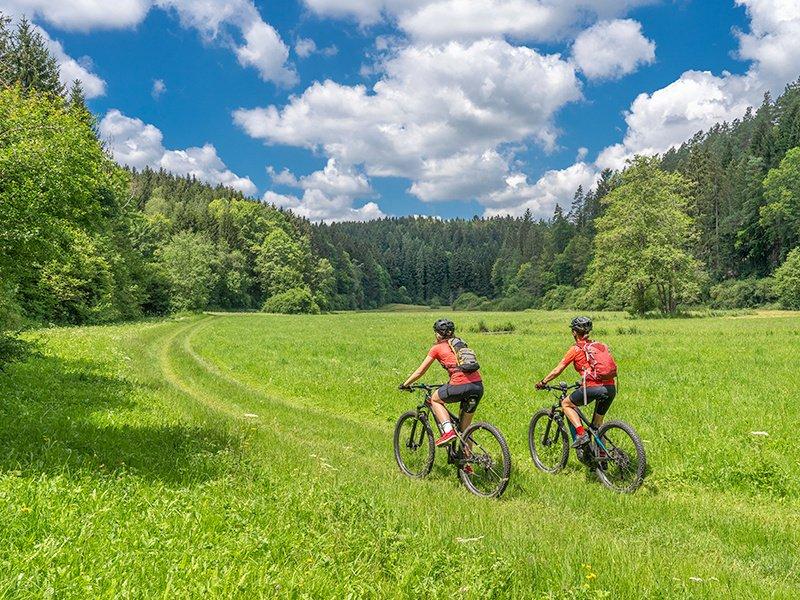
[
  {"x": 576, "y": 213},
  {"x": 77, "y": 104},
  {"x": 787, "y": 120},
  {"x": 562, "y": 230},
  {"x": 6, "y": 78},
  {"x": 77, "y": 99},
  {"x": 31, "y": 63},
  {"x": 762, "y": 144}
]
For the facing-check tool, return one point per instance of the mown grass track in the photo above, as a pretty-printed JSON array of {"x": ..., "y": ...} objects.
[{"x": 250, "y": 456}]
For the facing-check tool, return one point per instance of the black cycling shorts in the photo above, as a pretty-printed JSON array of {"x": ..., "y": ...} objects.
[
  {"x": 603, "y": 394},
  {"x": 469, "y": 394}
]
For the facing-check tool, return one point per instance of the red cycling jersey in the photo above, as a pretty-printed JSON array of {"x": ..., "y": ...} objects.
[
  {"x": 442, "y": 352},
  {"x": 576, "y": 356}
]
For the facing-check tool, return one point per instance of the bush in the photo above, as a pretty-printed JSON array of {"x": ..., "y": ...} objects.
[
  {"x": 743, "y": 293},
  {"x": 579, "y": 299},
  {"x": 468, "y": 301},
  {"x": 11, "y": 347},
  {"x": 557, "y": 298},
  {"x": 787, "y": 281},
  {"x": 188, "y": 260},
  {"x": 515, "y": 302},
  {"x": 482, "y": 327},
  {"x": 292, "y": 302}
]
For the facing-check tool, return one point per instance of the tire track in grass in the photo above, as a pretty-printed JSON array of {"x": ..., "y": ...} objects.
[
  {"x": 282, "y": 418},
  {"x": 227, "y": 375}
]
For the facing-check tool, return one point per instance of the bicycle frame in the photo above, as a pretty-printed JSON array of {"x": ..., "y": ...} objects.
[
  {"x": 424, "y": 410},
  {"x": 557, "y": 415}
]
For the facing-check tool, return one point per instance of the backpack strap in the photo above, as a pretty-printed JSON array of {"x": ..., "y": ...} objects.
[{"x": 452, "y": 345}]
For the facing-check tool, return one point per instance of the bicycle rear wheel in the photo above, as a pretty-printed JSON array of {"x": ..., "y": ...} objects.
[
  {"x": 414, "y": 448},
  {"x": 548, "y": 442},
  {"x": 623, "y": 469},
  {"x": 490, "y": 459}
]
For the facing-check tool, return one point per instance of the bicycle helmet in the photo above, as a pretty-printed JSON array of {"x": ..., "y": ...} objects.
[
  {"x": 582, "y": 325},
  {"x": 444, "y": 327}
]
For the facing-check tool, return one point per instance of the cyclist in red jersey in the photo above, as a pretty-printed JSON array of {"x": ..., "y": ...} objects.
[
  {"x": 592, "y": 390},
  {"x": 466, "y": 388}
]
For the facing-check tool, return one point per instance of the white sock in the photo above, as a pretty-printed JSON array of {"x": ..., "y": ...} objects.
[{"x": 447, "y": 426}]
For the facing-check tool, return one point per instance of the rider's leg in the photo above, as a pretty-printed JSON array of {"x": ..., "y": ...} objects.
[
  {"x": 440, "y": 412},
  {"x": 465, "y": 419},
  {"x": 568, "y": 404},
  {"x": 602, "y": 405},
  {"x": 572, "y": 414}
]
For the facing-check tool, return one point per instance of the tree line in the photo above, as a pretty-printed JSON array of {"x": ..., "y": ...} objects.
[{"x": 83, "y": 240}]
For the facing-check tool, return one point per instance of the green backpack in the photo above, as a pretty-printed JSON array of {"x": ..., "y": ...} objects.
[{"x": 466, "y": 360}]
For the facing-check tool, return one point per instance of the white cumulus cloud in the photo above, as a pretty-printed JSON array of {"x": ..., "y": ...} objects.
[
  {"x": 612, "y": 49},
  {"x": 81, "y": 15},
  {"x": 315, "y": 205},
  {"x": 329, "y": 195},
  {"x": 556, "y": 186},
  {"x": 466, "y": 175},
  {"x": 436, "y": 110},
  {"x": 159, "y": 87},
  {"x": 444, "y": 20},
  {"x": 137, "y": 144},
  {"x": 772, "y": 42},
  {"x": 305, "y": 47},
  {"x": 257, "y": 45},
  {"x": 671, "y": 115}
]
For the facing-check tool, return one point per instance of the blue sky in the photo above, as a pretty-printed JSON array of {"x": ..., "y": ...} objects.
[{"x": 488, "y": 112}]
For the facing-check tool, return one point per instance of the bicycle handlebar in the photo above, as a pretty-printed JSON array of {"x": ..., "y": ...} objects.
[
  {"x": 419, "y": 386},
  {"x": 562, "y": 387}
]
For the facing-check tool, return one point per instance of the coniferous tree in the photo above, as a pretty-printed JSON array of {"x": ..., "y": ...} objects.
[
  {"x": 6, "y": 75},
  {"x": 31, "y": 63}
]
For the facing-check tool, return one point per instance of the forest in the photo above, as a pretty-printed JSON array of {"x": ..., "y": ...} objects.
[{"x": 83, "y": 240}]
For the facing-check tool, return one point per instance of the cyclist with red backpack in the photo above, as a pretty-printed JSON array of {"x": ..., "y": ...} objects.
[
  {"x": 465, "y": 385},
  {"x": 598, "y": 370}
]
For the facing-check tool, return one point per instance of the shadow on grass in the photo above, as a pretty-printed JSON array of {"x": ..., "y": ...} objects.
[{"x": 62, "y": 416}]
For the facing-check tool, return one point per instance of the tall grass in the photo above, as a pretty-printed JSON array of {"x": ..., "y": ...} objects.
[{"x": 250, "y": 456}]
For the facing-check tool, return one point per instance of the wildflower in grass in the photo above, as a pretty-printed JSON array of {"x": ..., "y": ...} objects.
[{"x": 25, "y": 509}]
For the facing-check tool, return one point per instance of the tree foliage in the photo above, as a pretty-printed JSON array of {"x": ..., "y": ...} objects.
[
  {"x": 644, "y": 241},
  {"x": 293, "y": 301},
  {"x": 787, "y": 281}
]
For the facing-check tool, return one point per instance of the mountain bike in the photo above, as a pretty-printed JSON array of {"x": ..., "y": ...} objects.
[
  {"x": 481, "y": 447},
  {"x": 615, "y": 452}
]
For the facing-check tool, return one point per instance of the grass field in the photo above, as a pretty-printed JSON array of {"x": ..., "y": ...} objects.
[{"x": 251, "y": 456}]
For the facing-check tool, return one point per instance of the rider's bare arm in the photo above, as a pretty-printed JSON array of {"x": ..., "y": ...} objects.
[
  {"x": 420, "y": 371},
  {"x": 555, "y": 372}
]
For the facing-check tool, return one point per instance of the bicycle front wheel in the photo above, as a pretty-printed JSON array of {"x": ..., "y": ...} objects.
[
  {"x": 486, "y": 451},
  {"x": 623, "y": 465},
  {"x": 414, "y": 448},
  {"x": 548, "y": 442}
]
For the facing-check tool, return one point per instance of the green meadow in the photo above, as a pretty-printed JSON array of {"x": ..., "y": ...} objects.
[{"x": 250, "y": 455}]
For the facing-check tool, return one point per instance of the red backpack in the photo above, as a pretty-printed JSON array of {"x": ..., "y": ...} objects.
[{"x": 602, "y": 365}]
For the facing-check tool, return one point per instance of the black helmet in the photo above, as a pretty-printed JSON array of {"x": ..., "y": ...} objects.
[
  {"x": 582, "y": 325},
  {"x": 444, "y": 327}
]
